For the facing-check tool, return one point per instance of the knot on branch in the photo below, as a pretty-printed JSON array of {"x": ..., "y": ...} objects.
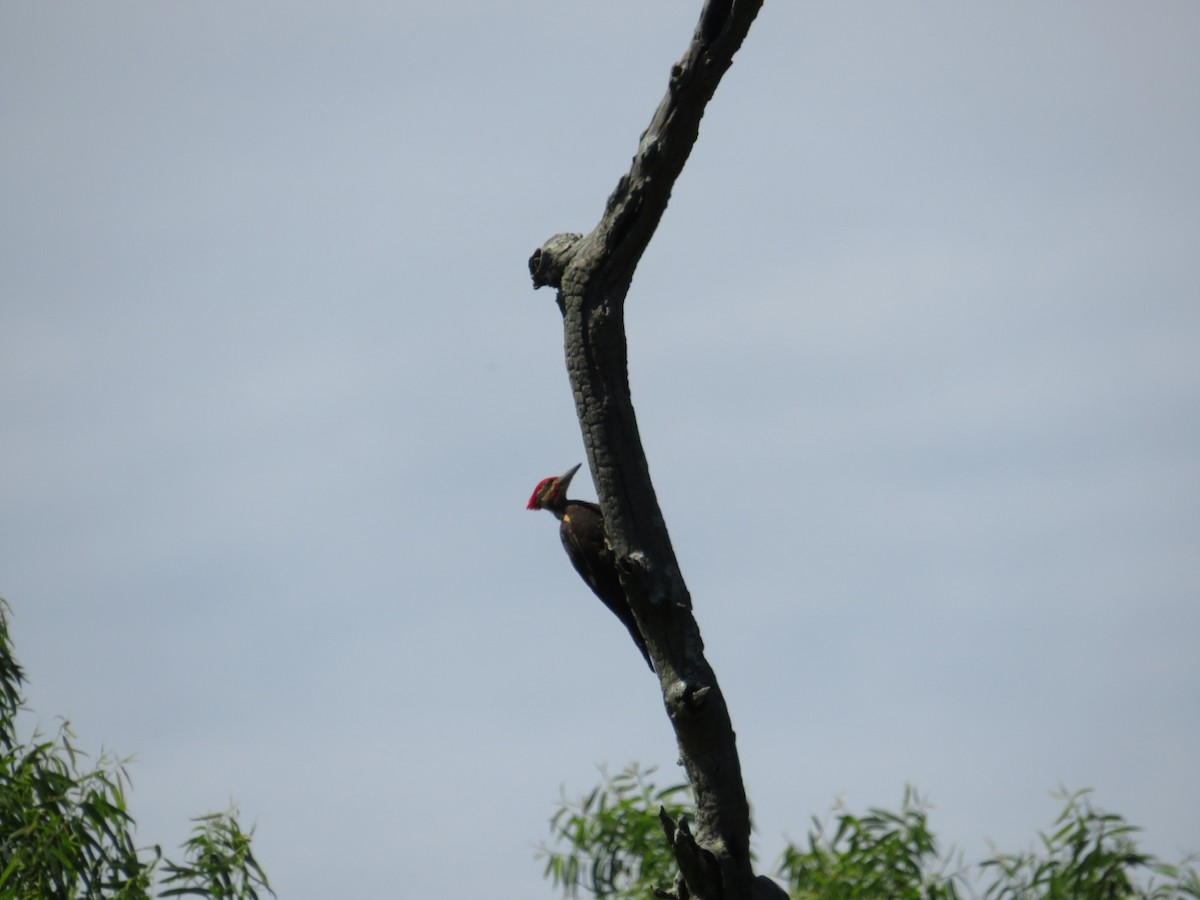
[
  {"x": 677, "y": 71},
  {"x": 636, "y": 569},
  {"x": 649, "y": 149},
  {"x": 660, "y": 587},
  {"x": 699, "y": 868},
  {"x": 550, "y": 260},
  {"x": 687, "y": 697}
]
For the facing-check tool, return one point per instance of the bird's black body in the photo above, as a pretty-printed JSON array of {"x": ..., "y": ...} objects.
[{"x": 582, "y": 531}]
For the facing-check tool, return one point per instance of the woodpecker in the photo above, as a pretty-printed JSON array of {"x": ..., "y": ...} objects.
[{"x": 582, "y": 531}]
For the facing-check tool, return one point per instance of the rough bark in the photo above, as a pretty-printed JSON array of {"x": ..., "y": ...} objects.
[{"x": 592, "y": 274}]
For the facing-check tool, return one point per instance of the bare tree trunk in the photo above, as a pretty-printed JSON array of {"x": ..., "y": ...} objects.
[{"x": 592, "y": 274}]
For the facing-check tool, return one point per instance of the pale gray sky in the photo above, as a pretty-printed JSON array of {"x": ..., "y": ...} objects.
[{"x": 914, "y": 354}]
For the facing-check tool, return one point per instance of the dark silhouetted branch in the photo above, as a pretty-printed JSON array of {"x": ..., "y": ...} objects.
[{"x": 592, "y": 274}]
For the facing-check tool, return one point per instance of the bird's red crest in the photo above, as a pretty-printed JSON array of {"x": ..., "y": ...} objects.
[{"x": 537, "y": 493}]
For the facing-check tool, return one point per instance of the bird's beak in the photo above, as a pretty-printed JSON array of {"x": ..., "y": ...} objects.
[{"x": 565, "y": 478}]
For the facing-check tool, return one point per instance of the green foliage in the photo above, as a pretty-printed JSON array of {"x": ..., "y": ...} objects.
[
  {"x": 615, "y": 849},
  {"x": 615, "y": 843},
  {"x": 219, "y": 862},
  {"x": 65, "y": 831},
  {"x": 1090, "y": 854},
  {"x": 881, "y": 854}
]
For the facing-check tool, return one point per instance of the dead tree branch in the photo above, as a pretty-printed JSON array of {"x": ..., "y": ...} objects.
[{"x": 592, "y": 274}]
